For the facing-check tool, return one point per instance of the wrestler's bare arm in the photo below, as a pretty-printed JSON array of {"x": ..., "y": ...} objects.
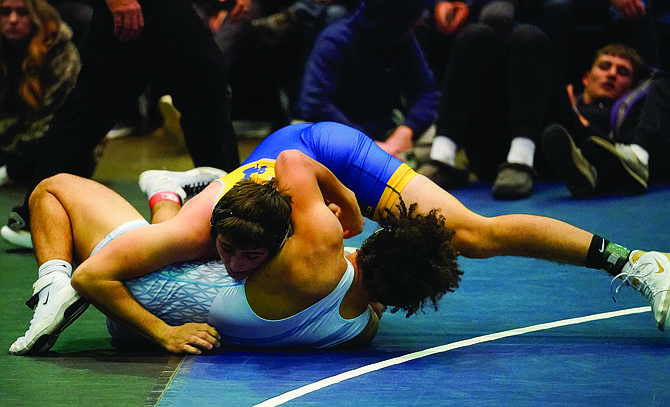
[
  {"x": 316, "y": 248},
  {"x": 346, "y": 207},
  {"x": 142, "y": 251}
]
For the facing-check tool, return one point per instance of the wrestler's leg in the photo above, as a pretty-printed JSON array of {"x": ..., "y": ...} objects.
[
  {"x": 477, "y": 236},
  {"x": 164, "y": 210},
  {"x": 70, "y": 215},
  {"x": 549, "y": 239}
]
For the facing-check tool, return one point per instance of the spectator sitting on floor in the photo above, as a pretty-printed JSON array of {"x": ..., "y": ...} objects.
[
  {"x": 367, "y": 71},
  {"x": 622, "y": 136},
  {"x": 39, "y": 65},
  {"x": 497, "y": 96}
]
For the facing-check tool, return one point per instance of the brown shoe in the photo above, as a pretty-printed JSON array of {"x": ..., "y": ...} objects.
[{"x": 514, "y": 181}]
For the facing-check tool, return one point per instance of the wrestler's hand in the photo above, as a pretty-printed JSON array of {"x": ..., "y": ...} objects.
[
  {"x": 377, "y": 308},
  {"x": 190, "y": 338},
  {"x": 352, "y": 224},
  {"x": 128, "y": 18}
]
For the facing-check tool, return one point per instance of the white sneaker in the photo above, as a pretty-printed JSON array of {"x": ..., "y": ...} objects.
[
  {"x": 186, "y": 184},
  {"x": 649, "y": 273},
  {"x": 17, "y": 230},
  {"x": 4, "y": 177},
  {"x": 57, "y": 306},
  {"x": 21, "y": 238}
]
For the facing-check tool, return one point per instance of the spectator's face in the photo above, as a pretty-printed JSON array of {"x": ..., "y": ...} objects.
[
  {"x": 609, "y": 78},
  {"x": 15, "y": 20}
]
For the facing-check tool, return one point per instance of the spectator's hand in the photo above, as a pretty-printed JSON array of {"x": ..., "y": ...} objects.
[
  {"x": 190, "y": 338},
  {"x": 398, "y": 142},
  {"x": 128, "y": 18},
  {"x": 629, "y": 9},
  {"x": 241, "y": 8},
  {"x": 449, "y": 16}
]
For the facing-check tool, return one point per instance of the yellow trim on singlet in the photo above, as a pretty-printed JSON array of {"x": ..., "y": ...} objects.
[
  {"x": 395, "y": 185},
  {"x": 264, "y": 171}
]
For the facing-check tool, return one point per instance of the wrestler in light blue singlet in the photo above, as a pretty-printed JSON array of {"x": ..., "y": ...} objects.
[{"x": 203, "y": 291}]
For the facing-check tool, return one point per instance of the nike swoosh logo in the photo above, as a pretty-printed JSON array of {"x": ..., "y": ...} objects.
[
  {"x": 660, "y": 268},
  {"x": 602, "y": 247}
]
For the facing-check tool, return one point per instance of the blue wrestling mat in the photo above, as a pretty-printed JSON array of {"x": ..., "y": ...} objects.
[{"x": 518, "y": 332}]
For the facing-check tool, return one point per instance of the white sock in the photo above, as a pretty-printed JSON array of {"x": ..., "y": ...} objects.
[
  {"x": 521, "y": 151},
  {"x": 444, "y": 150},
  {"x": 55, "y": 266}
]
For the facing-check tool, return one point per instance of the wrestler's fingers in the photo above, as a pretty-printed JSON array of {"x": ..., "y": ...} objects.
[
  {"x": 209, "y": 329},
  {"x": 206, "y": 336},
  {"x": 205, "y": 341},
  {"x": 211, "y": 340},
  {"x": 191, "y": 350}
]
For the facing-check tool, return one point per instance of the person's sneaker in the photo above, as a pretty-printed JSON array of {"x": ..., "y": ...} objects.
[
  {"x": 649, "y": 273},
  {"x": 171, "y": 122},
  {"x": 4, "y": 177},
  {"x": 56, "y": 306},
  {"x": 186, "y": 184},
  {"x": 444, "y": 175},
  {"x": 17, "y": 230},
  {"x": 619, "y": 168},
  {"x": 568, "y": 162},
  {"x": 514, "y": 181}
]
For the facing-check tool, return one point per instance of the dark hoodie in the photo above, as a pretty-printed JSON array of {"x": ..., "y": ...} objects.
[{"x": 367, "y": 64}]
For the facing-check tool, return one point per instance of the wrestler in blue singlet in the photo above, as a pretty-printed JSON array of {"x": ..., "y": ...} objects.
[{"x": 375, "y": 176}]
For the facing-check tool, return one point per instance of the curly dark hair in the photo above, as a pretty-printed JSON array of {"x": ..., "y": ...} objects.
[
  {"x": 410, "y": 260},
  {"x": 253, "y": 214}
]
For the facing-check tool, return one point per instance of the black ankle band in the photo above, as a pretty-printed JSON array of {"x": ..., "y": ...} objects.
[
  {"x": 605, "y": 255},
  {"x": 594, "y": 258}
]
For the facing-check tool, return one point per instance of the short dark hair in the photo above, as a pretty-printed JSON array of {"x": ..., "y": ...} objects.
[
  {"x": 253, "y": 214},
  {"x": 410, "y": 260},
  {"x": 624, "y": 52}
]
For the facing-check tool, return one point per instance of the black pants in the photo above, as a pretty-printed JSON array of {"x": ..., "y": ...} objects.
[
  {"x": 174, "y": 46},
  {"x": 499, "y": 85}
]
